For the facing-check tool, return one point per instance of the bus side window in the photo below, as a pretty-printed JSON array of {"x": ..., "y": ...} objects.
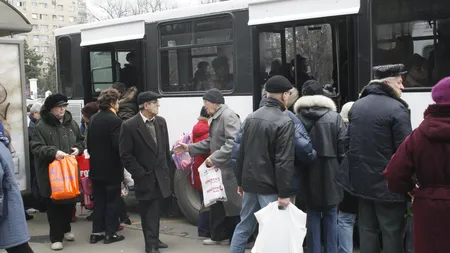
[
  {"x": 197, "y": 55},
  {"x": 101, "y": 70},
  {"x": 65, "y": 65}
]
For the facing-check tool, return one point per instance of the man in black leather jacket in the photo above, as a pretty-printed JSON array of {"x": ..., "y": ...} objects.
[{"x": 265, "y": 161}]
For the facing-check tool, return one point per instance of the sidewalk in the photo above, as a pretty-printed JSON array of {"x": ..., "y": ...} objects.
[{"x": 179, "y": 235}]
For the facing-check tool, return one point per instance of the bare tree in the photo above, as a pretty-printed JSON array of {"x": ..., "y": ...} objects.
[{"x": 110, "y": 9}]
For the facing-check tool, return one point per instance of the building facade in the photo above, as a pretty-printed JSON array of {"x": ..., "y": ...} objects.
[{"x": 46, "y": 16}]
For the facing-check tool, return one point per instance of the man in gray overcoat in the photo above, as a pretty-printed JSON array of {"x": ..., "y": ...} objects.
[{"x": 223, "y": 129}]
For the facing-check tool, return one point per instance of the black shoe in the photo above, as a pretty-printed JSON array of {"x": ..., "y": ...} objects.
[
  {"x": 127, "y": 221},
  {"x": 113, "y": 238},
  {"x": 154, "y": 250},
  {"x": 89, "y": 218},
  {"x": 96, "y": 238},
  {"x": 28, "y": 217},
  {"x": 162, "y": 245}
]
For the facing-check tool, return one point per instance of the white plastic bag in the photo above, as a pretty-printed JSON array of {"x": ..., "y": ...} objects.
[
  {"x": 281, "y": 231},
  {"x": 212, "y": 184}
]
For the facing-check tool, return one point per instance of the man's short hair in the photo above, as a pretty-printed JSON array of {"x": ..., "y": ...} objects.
[{"x": 36, "y": 108}]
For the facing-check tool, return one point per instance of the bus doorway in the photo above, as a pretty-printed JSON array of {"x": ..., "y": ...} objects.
[{"x": 110, "y": 63}]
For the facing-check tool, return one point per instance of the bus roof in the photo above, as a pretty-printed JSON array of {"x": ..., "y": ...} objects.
[
  {"x": 276, "y": 11},
  {"x": 161, "y": 16}
]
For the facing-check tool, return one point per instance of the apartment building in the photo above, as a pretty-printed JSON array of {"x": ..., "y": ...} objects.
[{"x": 46, "y": 16}]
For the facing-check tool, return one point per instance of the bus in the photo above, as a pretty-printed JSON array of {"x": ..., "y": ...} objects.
[{"x": 236, "y": 45}]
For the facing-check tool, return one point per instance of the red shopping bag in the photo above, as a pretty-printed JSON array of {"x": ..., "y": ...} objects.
[
  {"x": 63, "y": 175},
  {"x": 84, "y": 165}
]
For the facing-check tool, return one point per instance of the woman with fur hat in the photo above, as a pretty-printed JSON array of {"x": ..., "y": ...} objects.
[
  {"x": 421, "y": 167},
  {"x": 56, "y": 136}
]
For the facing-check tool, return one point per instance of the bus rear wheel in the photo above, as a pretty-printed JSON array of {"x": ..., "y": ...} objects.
[{"x": 188, "y": 198}]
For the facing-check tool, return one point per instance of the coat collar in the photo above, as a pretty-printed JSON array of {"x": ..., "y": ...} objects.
[
  {"x": 219, "y": 112},
  {"x": 318, "y": 101},
  {"x": 145, "y": 134},
  {"x": 378, "y": 87}
]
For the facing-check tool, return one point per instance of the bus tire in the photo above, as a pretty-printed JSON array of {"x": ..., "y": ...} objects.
[{"x": 188, "y": 198}]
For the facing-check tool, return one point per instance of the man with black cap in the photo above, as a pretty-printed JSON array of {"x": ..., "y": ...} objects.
[
  {"x": 145, "y": 152},
  {"x": 224, "y": 125},
  {"x": 56, "y": 135},
  {"x": 318, "y": 189},
  {"x": 378, "y": 123},
  {"x": 265, "y": 160}
]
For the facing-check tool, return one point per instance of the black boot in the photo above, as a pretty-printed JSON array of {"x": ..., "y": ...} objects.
[
  {"x": 113, "y": 238},
  {"x": 28, "y": 217},
  {"x": 162, "y": 245},
  {"x": 96, "y": 238}
]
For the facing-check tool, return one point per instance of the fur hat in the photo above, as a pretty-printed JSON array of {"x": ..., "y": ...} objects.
[
  {"x": 55, "y": 100},
  {"x": 441, "y": 91}
]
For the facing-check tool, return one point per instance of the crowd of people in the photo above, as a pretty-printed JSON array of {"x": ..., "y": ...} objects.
[{"x": 364, "y": 163}]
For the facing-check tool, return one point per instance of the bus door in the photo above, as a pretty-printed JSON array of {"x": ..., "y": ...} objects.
[{"x": 304, "y": 50}]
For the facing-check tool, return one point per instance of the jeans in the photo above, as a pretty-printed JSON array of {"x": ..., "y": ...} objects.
[
  {"x": 251, "y": 203},
  {"x": 346, "y": 223},
  {"x": 314, "y": 230},
  {"x": 375, "y": 216}
]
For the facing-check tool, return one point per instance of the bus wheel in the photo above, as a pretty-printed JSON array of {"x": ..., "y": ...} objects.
[{"x": 188, "y": 198}]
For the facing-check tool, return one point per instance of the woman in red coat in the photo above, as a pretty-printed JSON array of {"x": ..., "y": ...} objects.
[
  {"x": 200, "y": 132},
  {"x": 425, "y": 154}
]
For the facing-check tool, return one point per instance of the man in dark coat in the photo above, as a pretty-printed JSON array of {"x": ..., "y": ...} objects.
[
  {"x": 145, "y": 152},
  {"x": 265, "y": 161},
  {"x": 56, "y": 135},
  {"x": 327, "y": 131},
  {"x": 106, "y": 170},
  {"x": 379, "y": 122}
]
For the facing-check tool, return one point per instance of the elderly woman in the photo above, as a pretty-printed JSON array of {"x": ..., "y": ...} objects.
[
  {"x": 14, "y": 235},
  {"x": 106, "y": 169},
  {"x": 421, "y": 167},
  {"x": 56, "y": 136}
]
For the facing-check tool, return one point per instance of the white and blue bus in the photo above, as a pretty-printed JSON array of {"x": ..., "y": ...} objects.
[{"x": 239, "y": 43}]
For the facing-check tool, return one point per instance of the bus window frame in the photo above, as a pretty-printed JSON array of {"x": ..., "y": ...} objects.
[
  {"x": 231, "y": 43},
  {"x": 374, "y": 42},
  {"x": 280, "y": 28},
  {"x": 58, "y": 65},
  {"x": 113, "y": 70}
]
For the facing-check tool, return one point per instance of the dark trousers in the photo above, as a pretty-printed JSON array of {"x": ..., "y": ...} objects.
[
  {"x": 204, "y": 224},
  {"x": 123, "y": 215},
  {"x": 59, "y": 217},
  {"x": 22, "y": 248},
  {"x": 106, "y": 209},
  {"x": 222, "y": 226},
  {"x": 150, "y": 211},
  {"x": 387, "y": 218}
]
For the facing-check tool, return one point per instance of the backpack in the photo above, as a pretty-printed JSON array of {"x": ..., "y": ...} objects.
[{"x": 183, "y": 161}]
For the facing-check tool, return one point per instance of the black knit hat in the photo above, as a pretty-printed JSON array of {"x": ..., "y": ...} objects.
[
  {"x": 278, "y": 84},
  {"x": 214, "y": 96},
  {"x": 311, "y": 88},
  {"x": 55, "y": 100}
]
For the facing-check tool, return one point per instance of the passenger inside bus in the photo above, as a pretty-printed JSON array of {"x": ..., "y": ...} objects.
[
  {"x": 301, "y": 72},
  {"x": 201, "y": 76},
  {"x": 439, "y": 61},
  {"x": 129, "y": 75},
  {"x": 222, "y": 79},
  {"x": 417, "y": 72}
]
